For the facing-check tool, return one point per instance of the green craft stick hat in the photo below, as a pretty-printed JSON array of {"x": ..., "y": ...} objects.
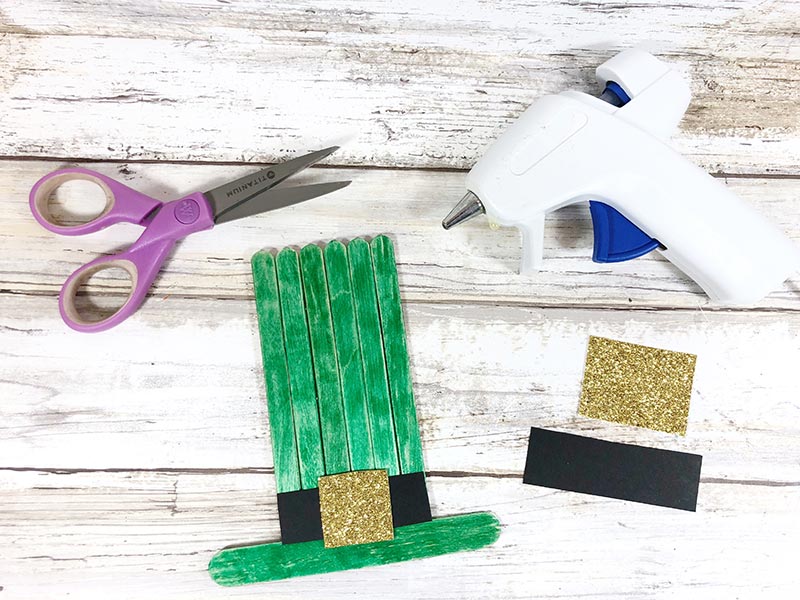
[{"x": 340, "y": 401}]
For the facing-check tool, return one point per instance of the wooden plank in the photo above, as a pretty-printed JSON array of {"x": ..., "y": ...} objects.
[
  {"x": 348, "y": 350},
  {"x": 276, "y": 374},
  {"x": 470, "y": 263},
  {"x": 326, "y": 366},
  {"x": 128, "y": 533},
  {"x": 301, "y": 373},
  {"x": 381, "y": 423},
  {"x": 405, "y": 84},
  {"x": 404, "y": 411},
  {"x": 483, "y": 375}
]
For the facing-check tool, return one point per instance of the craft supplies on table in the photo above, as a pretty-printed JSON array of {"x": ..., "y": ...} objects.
[
  {"x": 633, "y": 385},
  {"x": 351, "y": 488}
]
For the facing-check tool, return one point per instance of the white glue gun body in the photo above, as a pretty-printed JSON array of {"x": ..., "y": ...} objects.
[{"x": 643, "y": 195}]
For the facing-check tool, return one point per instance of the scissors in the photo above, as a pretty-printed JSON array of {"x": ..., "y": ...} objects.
[{"x": 165, "y": 223}]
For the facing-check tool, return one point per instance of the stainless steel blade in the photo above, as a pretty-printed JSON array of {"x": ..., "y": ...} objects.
[
  {"x": 233, "y": 193},
  {"x": 272, "y": 199}
]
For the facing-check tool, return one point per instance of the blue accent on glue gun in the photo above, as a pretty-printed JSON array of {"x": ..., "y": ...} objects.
[
  {"x": 615, "y": 238},
  {"x": 614, "y": 94}
]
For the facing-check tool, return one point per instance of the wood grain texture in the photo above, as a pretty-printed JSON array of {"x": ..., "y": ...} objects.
[
  {"x": 178, "y": 404},
  {"x": 272, "y": 562},
  {"x": 376, "y": 385},
  {"x": 326, "y": 365},
  {"x": 127, "y": 459},
  {"x": 411, "y": 84},
  {"x": 128, "y": 478},
  {"x": 176, "y": 409},
  {"x": 138, "y": 534},
  {"x": 301, "y": 370},
  {"x": 348, "y": 350},
  {"x": 404, "y": 411},
  {"x": 276, "y": 373},
  {"x": 470, "y": 263}
]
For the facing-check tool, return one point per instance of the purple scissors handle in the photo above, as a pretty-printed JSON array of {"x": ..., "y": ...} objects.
[{"x": 164, "y": 223}]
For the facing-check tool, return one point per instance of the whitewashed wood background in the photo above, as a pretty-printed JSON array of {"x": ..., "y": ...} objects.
[{"x": 128, "y": 458}]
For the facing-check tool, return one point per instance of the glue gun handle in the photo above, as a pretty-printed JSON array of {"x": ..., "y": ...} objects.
[
  {"x": 532, "y": 245},
  {"x": 735, "y": 254}
]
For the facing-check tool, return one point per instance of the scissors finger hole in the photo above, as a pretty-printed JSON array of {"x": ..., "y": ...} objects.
[
  {"x": 100, "y": 292},
  {"x": 73, "y": 199}
]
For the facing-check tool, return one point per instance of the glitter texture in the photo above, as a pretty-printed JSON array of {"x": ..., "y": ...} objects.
[
  {"x": 356, "y": 508},
  {"x": 637, "y": 385}
]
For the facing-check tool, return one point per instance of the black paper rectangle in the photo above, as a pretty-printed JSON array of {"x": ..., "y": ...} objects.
[
  {"x": 580, "y": 464},
  {"x": 410, "y": 502},
  {"x": 298, "y": 513},
  {"x": 300, "y": 519}
]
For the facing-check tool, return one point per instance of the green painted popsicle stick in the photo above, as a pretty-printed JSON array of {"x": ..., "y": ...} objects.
[
  {"x": 404, "y": 411},
  {"x": 270, "y": 562},
  {"x": 326, "y": 368},
  {"x": 348, "y": 352},
  {"x": 301, "y": 375},
  {"x": 384, "y": 445},
  {"x": 276, "y": 374}
]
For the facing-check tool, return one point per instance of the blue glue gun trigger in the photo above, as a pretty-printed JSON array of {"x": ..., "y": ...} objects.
[
  {"x": 616, "y": 239},
  {"x": 614, "y": 94}
]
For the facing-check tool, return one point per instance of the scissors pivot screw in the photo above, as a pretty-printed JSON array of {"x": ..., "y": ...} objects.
[{"x": 187, "y": 211}]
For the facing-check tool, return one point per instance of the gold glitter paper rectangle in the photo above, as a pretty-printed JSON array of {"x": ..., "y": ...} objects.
[
  {"x": 637, "y": 385},
  {"x": 356, "y": 508}
]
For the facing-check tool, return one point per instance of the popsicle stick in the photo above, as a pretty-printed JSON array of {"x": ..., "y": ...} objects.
[
  {"x": 348, "y": 351},
  {"x": 270, "y": 562},
  {"x": 301, "y": 374},
  {"x": 276, "y": 374},
  {"x": 326, "y": 368},
  {"x": 384, "y": 445},
  {"x": 409, "y": 446}
]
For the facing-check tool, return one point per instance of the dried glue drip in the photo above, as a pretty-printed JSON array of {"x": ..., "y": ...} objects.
[{"x": 637, "y": 385}]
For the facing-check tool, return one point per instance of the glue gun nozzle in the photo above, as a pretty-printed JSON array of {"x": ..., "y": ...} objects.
[{"x": 469, "y": 206}]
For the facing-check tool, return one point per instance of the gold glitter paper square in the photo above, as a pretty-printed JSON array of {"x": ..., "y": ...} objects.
[
  {"x": 356, "y": 508},
  {"x": 637, "y": 385}
]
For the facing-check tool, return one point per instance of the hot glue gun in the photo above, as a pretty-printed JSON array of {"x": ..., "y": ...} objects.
[{"x": 643, "y": 196}]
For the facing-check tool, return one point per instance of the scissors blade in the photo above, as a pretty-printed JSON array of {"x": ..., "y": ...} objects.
[
  {"x": 274, "y": 199},
  {"x": 228, "y": 195}
]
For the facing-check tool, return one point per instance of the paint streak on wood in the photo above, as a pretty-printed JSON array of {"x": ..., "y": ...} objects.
[
  {"x": 409, "y": 448},
  {"x": 276, "y": 373},
  {"x": 326, "y": 365},
  {"x": 381, "y": 422},
  {"x": 301, "y": 370},
  {"x": 271, "y": 562},
  {"x": 348, "y": 348}
]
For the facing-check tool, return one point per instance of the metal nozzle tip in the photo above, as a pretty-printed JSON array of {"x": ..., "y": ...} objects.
[{"x": 469, "y": 206}]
